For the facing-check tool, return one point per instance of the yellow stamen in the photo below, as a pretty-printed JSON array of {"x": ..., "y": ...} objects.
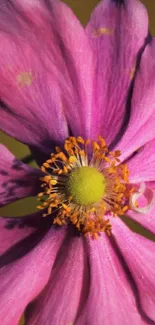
[{"x": 76, "y": 206}]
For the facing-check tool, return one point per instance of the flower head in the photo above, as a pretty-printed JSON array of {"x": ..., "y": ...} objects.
[
  {"x": 85, "y": 190},
  {"x": 83, "y": 100}
]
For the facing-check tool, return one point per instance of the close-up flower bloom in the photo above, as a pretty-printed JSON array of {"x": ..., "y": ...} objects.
[{"x": 83, "y": 101}]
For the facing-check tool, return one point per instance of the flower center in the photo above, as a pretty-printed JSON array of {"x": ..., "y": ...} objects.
[
  {"x": 86, "y": 185},
  {"x": 84, "y": 191}
]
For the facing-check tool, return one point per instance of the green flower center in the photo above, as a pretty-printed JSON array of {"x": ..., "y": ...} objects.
[{"x": 86, "y": 185}]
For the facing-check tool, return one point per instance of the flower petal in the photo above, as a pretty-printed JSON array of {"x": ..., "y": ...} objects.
[
  {"x": 46, "y": 63},
  {"x": 66, "y": 289},
  {"x": 117, "y": 35},
  {"x": 147, "y": 220},
  {"x": 142, "y": 165},
  {"x": 110, "y": 288},
  {"x": 142, "y": 205},
  {"x": 139, "y": 254},
  {"x": 140, "y": 129},
  {"x": 17, "y": 180},
  {"x": 15, "y": 229},
  {"x": 24, "y": 279},
  {"x": 18, "y": 235}
]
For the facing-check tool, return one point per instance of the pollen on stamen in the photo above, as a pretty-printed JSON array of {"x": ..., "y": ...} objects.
[{"x": 83, "y": 191}]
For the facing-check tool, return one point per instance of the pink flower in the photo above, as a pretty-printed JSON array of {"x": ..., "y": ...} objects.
[{"x": 58, "y": 80}]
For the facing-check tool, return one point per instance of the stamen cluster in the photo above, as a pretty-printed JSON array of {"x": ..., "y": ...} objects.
[{"x": 92, "y": 218}]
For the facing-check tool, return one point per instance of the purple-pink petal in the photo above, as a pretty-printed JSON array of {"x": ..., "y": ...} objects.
[
  {"x": 13, "y": 230},
  {"x": 23, "y": 279},
  {"x": 139, "y": 254},
  {"x": 110, "y": 300},
  {"x": 47, "y": 64},
  {"x": 141, "y": 124},
  {"x": 142, "y": 165},
  {"x": 64, "y": 296},
  {"x": 117, "y": 34},
  {"x": 17, "y": 180}
]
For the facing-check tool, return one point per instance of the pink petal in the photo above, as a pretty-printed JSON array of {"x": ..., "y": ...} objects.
[
  {"x": 142, "y": 165},
  {"x": 13, "y": 230},
  {"x": 63, "y": 297},
  {"x": 139, "y": 254},
  {"x": 141, "y": 128},
  {"x": 48, "y": 44},
  {"x": 22, "y": 280},
  {"x": 17, "y": 180},
  {"x": 117, "y": 34},
  {"x": 142, "y": 205},
  {"x": 110, "y": 299}
]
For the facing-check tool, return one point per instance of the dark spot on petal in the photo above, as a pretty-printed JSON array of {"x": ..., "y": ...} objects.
[{"x": 3, "y": 172}]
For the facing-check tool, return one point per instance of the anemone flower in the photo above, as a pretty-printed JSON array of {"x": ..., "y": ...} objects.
[{"x": 83, "y": 100}]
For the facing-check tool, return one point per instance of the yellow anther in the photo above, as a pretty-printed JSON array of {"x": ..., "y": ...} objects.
[
  {"x": 40, "y": 194},
  {"x": 53, "y": 181},
  {"x": 125, "y": 208},
  {"x": 82, "y": 153},
  {"x": 65, "y": 206},
  {"x": 62, "y": 156},
  {"x": 107, "y": 159},
  {"x": 47, "y": 178},
  {"x": 45, "y": 204},
  {"x": 40, "y": 207},
  {"x": 87, "y": 142},
  {"x": 102, "y": 141},
  {"x": 46, "y": 165},
  {"x": 112, "y": 170},
  {"x": 80, "y": 140},
  {"x": 48, "y": 191},
  {"x": 43, "y": 169},
  {"x": 65, "y": 170},
  {"x": 95, "y": 146},
  {"x": 49, "y": 210},
  {"x": 72, "y": 159}
]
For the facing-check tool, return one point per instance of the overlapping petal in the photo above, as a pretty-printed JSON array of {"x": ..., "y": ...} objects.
[
  {"x": 23, "y": 279},
  {"x": 139, "y": 254},
  {"x": 47, "y": 64},
  {"x": 142, "y": 165},
  {"x": 140, "y": 129},
  {"x": 17, "y": 180},
  {"x": 117, "y": 36},
  {"x": 67, "y": 288},
  {"x": 14, "y": 230},
  {"x": 110, "y": 299},
  {"x": 147, "y": 220}
]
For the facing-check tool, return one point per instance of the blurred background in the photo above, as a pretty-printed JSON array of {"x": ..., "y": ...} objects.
[{"x": 82, "y": 9}]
